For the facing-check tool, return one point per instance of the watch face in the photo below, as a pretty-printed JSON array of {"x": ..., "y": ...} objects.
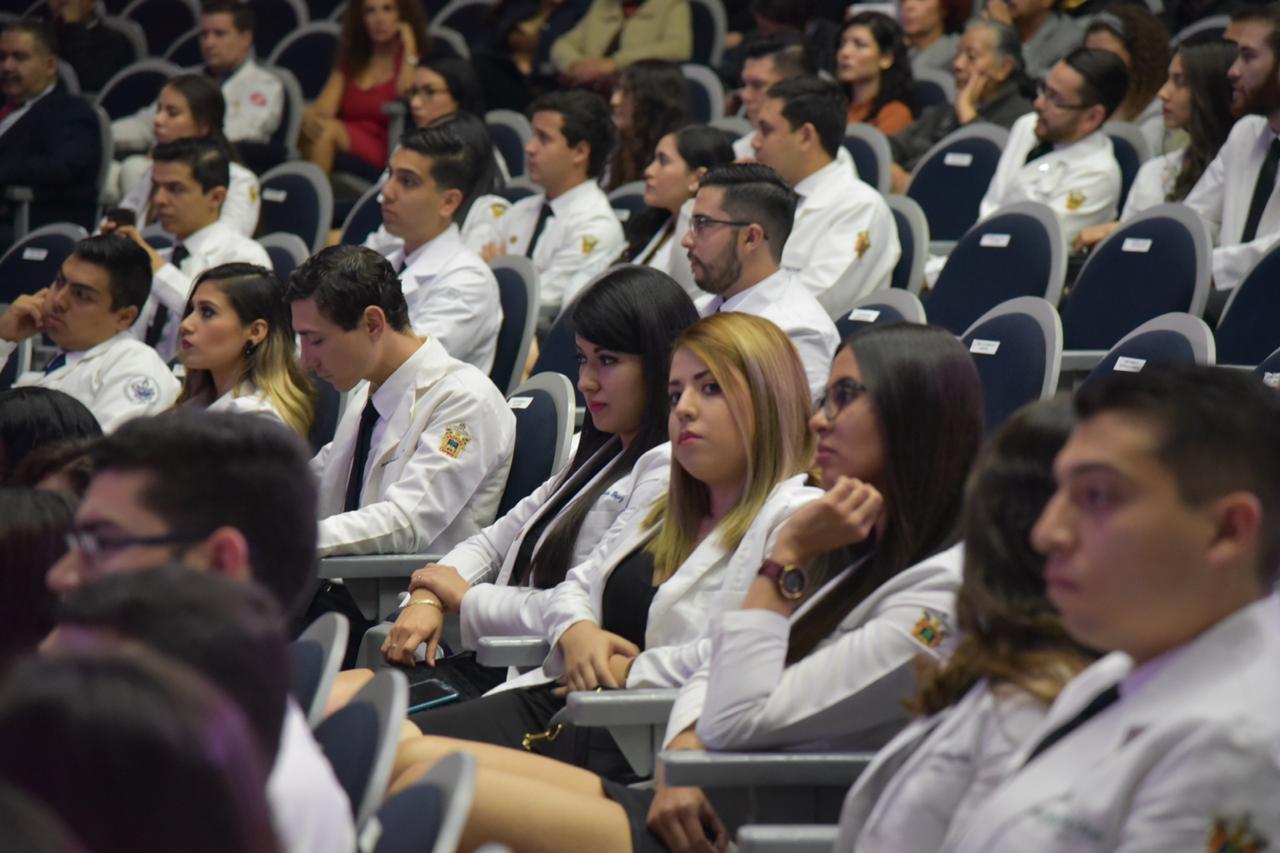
[{"x": 792, "y": 583}]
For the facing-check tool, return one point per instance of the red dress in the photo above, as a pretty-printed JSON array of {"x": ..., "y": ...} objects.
[{"x": 361, "y": 114}]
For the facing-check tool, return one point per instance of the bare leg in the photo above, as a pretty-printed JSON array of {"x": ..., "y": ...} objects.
[
  {"x": 347, "y": 684},
  {"x": 415, "y": 756},
  {"x": 331, "y": 139}
]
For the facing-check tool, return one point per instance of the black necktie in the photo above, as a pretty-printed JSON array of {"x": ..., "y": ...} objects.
[
  {"x": 543, "y": 216},
  {"x": 1101, "y": 701},
  {"x": 156, "y": 330},
  {"x": 1039, "y": 151},
  {"x": 364, "y": 438},
  {"x": 58, "y": 360},
  {"x": 1262, "y": 192}
]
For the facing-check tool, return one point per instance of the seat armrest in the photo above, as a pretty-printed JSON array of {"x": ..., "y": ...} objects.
[
  {"x": 758, "y": 769},
  {"x": 942, "y": 247},
  {"x": 512, "y": 651},
  {"x": 1081, "y": 360},
  {"x": 374, "y": 565},
  {"x": 642, "y": 707},
  {"x": 18, "y": 194},
  {"x": 802, "y": 838}
]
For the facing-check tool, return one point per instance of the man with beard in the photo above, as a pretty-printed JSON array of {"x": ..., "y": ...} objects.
[
  {"x": 741, "y": 219},
  {"x": 1058, "y": 154},
  {"x": 1236, "y": 194}
]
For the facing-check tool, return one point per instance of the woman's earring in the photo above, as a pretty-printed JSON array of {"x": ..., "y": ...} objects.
[{"x": 249, "y": 347}]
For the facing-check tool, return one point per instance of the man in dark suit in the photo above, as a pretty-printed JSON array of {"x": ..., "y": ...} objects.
[{"x": 49, "y": 139}]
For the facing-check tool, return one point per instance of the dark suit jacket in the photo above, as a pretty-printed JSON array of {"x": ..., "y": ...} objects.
[
  {"x": 55, "y": 149},
  {"x": 937, "y": 121}
]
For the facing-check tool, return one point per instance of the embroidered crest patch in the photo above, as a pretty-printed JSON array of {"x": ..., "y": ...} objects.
[
  {"x": 1075, "y": 200},
  {"x": 253, "y": 194},
  {"x": 863, "y": 243},
  {"x": 455, "y": 440},
  {"x": 588, "y": 245},
  {"x": 513, "y": 239},
  {"x": 1233, "y": 836},
  {"x": 929, "y": 629},
  {"x": 496, "y": 210},
  {"x": 141, "y": 390},
  {"x": 259, "y": 99}
]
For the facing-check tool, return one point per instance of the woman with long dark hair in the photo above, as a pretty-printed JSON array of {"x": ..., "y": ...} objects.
[
  {"x": 1197, "y": 99},
  {"x": 1012, "y": 660},
  {"x": 873, "y": 67},
  {"x": 1133, "y": 33},
  {"x": 650, "y": 99},
  {"x": 236, "y": 342}
]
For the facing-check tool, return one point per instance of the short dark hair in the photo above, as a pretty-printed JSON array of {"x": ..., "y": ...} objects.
[
  {"x": 586, "y": 119},
  {"x": 755, "y": 193},
  {"x": 33, "y": 536},
  {"x": 1106, "y": 80},
  {"x": 31, "y": 417},
  {"x": 787, "y": 50},
  {"x": 210, "y": 469},
  {"x": 209, "y": 164},
  {"x": 812, "y": 100},
  {"x": 1217, "y": 433},
  {"x": 345, "y": 280},
  {"x": 231, "y": 633},
  {"x": 127, "y": 264},
  {"x": 475, "y": 135},
  {"x": 38, "y": 30},
  {"x": 453, "y": 162},
  {"x": 1268, "y": 14},
  {"x": 241, "y": 12}
]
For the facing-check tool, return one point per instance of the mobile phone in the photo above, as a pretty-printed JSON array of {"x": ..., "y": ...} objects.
[
  {"x": 428, "y": 692},
  {"x": 121, "y": 216}
]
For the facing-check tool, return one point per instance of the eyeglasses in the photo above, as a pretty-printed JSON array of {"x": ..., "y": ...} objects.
[
  {"x": 838, "y": 396},
  {"x": 93, "y": 546},
  {"x": 425, "y": 91},
  {"x": 1055, "y": 98},
  {"x": 699, "y": 224}
]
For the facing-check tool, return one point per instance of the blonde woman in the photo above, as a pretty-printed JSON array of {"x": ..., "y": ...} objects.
[
  {"x": 236, "y": 343},
  {"x": 631, "y": 615}
]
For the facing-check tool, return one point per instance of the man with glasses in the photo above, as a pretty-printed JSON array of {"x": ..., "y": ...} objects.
[
  {"x": 741, "y": 220},
  {"x": 230, "y": 494},
  {"x": 1059, "y": 155}
]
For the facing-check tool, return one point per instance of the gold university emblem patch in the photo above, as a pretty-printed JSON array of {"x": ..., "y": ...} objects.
[
  {"x": 863, "y": 243},
  {"x": 497, "y": 210},
  {"x": 1233, "y": 836},
  {"x": 455, "y": 440},
  {"x": 588, "y": 245},
  {"x": 1075, "y": 200},
  {"x": 929, "y": 629}
]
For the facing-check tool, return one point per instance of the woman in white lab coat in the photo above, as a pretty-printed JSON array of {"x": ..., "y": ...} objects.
[
  {"x": 1013, "y": 659},
  {"x": 634, "y": 613},
  {"x": 902, "y": 419},
  {"x": 236, "y": 344}
]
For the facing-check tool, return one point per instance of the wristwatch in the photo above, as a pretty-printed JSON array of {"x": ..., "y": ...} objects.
[{"x": 791, "y": 579}]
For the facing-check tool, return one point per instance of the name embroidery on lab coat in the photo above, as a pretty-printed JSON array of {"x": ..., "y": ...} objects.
[
  {"x": 1229, "y": 835},
  {"x": 455, "y": 440}
]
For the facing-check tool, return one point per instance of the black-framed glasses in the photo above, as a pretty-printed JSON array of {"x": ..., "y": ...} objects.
[
  {"x": 95, "y": 545},
  {"x": 837, "y": 396},
  {"x": 1055, "y": 98},
  {"x": 699, "y": 224}
]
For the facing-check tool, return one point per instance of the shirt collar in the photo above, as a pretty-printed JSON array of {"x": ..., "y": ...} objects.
[
  {"x": 200, "y": 238},
  {"x": 73, "y": 357},
  {"x": 400, "y": 382},
  {"x": 814, "y": 183},
  {"x": 762, "y": 289},
  {"x": 434, "y": 249},
  {"x": 562, "y": 203}
]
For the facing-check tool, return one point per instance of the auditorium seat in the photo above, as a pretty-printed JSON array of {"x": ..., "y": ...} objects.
[
  {"x": 1017, "y": 347},
  {"x": 1174, "y": 338}
]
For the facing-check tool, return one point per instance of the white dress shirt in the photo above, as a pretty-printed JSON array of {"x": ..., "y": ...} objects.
[
  {"x": 1222, "y": 197},
  {"x": 239, "y": 210},
  {"x": 118, "y": 379},
  {"x": 844, "y": 243},
  {"x": 784, "y": 302},
  {"x": 437, "y": 465},
  {"x": 453, "y": 297}
]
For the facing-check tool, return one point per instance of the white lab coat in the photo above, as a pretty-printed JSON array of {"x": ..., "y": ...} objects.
[
  {"x": 846, "y": 694},
  {"x": 309, "y": 809},
  {"x": 789, "y": 306},
  {"x": 670, "y": 257},
  {"x": 255, "y": 103},
  {"x": 453, "y": 297},
  {"x": 118, "y": 379},
  {"x": 710, "y": 581},
  {"x": 1222, "y": 197},
  {"x": 497, "y": 608},
  {"x": 844, "y": 243},
  {"x": 579, "y": 241},
  {"x": 1079, "y": 182},
  {"x": 436, "y": 470},
  {"x": 209, "y": 247},
  {"x": 1153, "y": 183},
  {"x": 936, "y": 771},
  {"x": 239, "y": 211},
  {"x": 247, "y": 399},
  {"x": 1193, "y": 740}
]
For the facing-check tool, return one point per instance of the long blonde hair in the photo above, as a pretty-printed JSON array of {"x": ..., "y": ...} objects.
[
  {"x": 255, "y": 293},
  {"x": 764, "y": 384}
]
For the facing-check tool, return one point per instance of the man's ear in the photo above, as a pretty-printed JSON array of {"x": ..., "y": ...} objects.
[
  {"x": 125, "y": 317},
  {"x": 226, "y": 552},
  {"x": 450, "y": 202},
  {"x": 374, "y": 321},
  {"x": 218, "y": 195},
  {"x": 580, "y": 154},
  {"x": 1237, "y": 527}
]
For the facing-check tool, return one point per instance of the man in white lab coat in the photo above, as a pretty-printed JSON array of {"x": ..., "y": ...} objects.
[
  {"x": 1059, "y": 155},
  {"x": 1163, "y": 546},
  {"x": 451, "y": 292},
  {"x": 87, "y": 312},
  {"x": 569, "y": 231},
  {"x": 741, "y": 221},
  {"x": 420, "y": 458},
  {"x": 1236, "y": 195},
  {"x": 844, "y": 243}
]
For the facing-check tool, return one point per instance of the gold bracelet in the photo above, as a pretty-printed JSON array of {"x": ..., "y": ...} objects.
[{"x": 430, "y": 601}]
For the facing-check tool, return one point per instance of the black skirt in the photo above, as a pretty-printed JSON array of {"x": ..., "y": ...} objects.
[{"x": 636, "y": 802}]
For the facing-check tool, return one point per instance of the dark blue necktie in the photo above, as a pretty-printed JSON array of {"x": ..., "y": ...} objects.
[
  {"x": 364, "y": 438},
  {"x": 58, "y": 361},
  {"x": 543, "y": 216},
  {"x": 155, "y": 330},
  {"x": 1103, "y": 700}
]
